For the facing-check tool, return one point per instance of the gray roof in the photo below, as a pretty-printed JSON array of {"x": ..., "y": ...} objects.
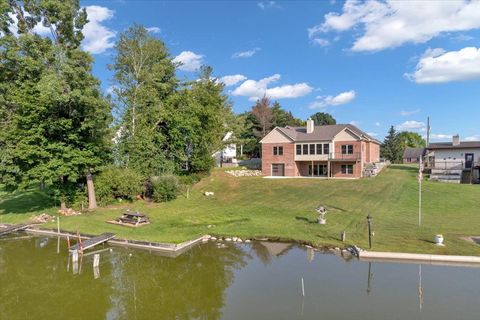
[
  {"x": 322, "y": 133},
  {"x": 413, "y": 153},
  {"x": 449, "y": 145}
]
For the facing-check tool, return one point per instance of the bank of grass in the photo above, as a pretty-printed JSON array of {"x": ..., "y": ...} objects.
[{"x": 253, "y": 207}]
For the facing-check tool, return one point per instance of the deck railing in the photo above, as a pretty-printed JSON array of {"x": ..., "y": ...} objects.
[{"x": 345, "y": 157}]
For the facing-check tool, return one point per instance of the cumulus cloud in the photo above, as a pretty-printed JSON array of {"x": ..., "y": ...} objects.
[
  {"x": 437, "y": 66},
  {"x": 98, "y": 38},
  {"x": 339, "y": 99},
  {"x": 245, "y": 54},
  {"x": 473, "y": 138},
  {"x": 388, "y": 24},
  {"x": 409, "y": 112},
  {"x": 39, "y": 27},
  {"x": 267, "y": 5},
  {"x": 154, "y": 29},
  {"x": 440, "y": 137},
  {"x": 321, "y": 42},
  {"x": 256, "y": 89},
  {"x": 232, "y": 79},
  {"x": 411, "y": 125},
  {"x": 189, "y": 61}
]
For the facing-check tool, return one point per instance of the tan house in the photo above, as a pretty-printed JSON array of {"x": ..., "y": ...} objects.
[{"x": 337, "y": 151}]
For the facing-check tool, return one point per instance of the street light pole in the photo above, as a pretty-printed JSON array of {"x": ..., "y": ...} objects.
[{"x": 369, "y": 221}]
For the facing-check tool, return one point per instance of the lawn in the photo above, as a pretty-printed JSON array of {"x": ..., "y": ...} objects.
[{"x": 253, "y": 207}]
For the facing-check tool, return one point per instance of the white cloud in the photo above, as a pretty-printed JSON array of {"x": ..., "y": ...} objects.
[
  {"x": 267, "y": 4},
  {"x": 98, "y": 38},
  {"x": 440, "y": 137},
  {"x": 355, "y": 123},
  {"x": 409, "y": 113},
  {"x": 411, "y": 125},
  {"x": 39, "y": 28},
  {"x": 437, "y": 66},
  {"x": 339, "y": 99},
  {"x": 245, "y": 54},
  {"x": 372, "y": 134},
  {"x": 377, "y": 124},
  {"x": 389, "y": 24},
  {"x": 189, "y": 61},
  {"x": 321, "y": 42},
  {"x": 475, "y": 137},
  {"x": 232, "y": 79},
  {"x": 257, "y": 89},
  {"x": 154, "y": 29}
]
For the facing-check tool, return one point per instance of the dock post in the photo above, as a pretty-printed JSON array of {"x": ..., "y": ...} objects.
[
  {"x": 96, "y": 260},
  {"x": 58, "y": 224}
]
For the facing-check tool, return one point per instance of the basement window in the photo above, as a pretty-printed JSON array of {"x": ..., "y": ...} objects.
[{"x": 347, "y": 169}]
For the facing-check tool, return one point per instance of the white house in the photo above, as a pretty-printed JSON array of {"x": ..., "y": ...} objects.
[
  {"x": 454, "y": 161},
  {"x": 228, "y": 155}
]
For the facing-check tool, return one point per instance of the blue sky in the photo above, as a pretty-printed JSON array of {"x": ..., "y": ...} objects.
[{"x": 373, "y": 63}]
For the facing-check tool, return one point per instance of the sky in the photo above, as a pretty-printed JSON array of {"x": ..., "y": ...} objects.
[{"x": 371, "y": 63}]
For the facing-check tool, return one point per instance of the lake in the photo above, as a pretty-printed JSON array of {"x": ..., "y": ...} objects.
[{"x": 259, "y": 280}]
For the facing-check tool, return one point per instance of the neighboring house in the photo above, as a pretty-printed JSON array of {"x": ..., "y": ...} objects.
[
  {"x": 413, "y": 155},
  {"x": 338, "y": 151},
  {"x": 228, "y": 155},
  {"x": 454, "y": 161}
]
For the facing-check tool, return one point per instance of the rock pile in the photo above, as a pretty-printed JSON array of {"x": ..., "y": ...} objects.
[
  {"x": 42, "y": 218},
  {"x": 244, "y": 173},
  {"x": 372, "y": 170},
  {"x": 69, "y": 212}
]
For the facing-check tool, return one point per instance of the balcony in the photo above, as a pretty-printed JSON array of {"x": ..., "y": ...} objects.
[{"x": 338, "y": 156}]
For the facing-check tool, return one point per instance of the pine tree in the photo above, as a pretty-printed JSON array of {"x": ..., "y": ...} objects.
[{"x": 391, "y": 148}]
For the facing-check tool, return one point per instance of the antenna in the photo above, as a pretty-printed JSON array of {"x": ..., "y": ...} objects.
[{"x": 428, "y": 131}]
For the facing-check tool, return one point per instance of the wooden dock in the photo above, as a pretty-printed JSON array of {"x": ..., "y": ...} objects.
[
  {"x": 92, "y": 242},
  {"x": 12, "y": 228}
]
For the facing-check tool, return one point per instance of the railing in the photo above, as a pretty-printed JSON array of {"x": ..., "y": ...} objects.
[
  {"x": 453, "y": 165},
  {"x": 346, "y": 157}
]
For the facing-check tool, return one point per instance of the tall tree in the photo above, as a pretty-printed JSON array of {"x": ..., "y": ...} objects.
[
  {"x": 411, "y": 140},
  {"x": 282, "y": 118},
  {"x": 55, "y": 129},
  {"x": 391, "y": 148},
  {"x": 195, "y": 120},
  {"x": 262, "y": 112},
  {"x": 323, "y": 118},
  {"x": 144, "y": 79}
]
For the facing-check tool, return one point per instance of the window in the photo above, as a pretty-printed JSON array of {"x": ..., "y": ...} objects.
[
  {"x": 299, "y": 149},
  {"x": 305, "y": 148},
  {"x": 278, "y": 151},
  {"x": 347, "y": 149},
  {"x": 312, "y": 149},
  {"x": 326, "y": 148},
  {"x": 319, "y": 148},
  {"x": 347, "y": 169},
  {"x": 318, "y": 170}
]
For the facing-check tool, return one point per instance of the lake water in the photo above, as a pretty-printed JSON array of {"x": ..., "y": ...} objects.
[{"x": 248, "y": 281}]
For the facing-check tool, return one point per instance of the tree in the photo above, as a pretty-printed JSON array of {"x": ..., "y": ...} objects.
[
  {"x": 411, "y": 140},
  {"x": 283, "y": 118},
  {"x": 144, "y": 80},
  {"x": 391, "y": 148},
  {"x": 323, "y": 118},
  {"x": 196, "y": 119},
  {"x": 263, "y": 116},
  {"x": 55, "y": 127}
]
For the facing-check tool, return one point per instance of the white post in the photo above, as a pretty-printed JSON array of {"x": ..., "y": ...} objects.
[
  {"x": 58, "y": 224},
  {"x": 96, "y": 260},
  {"x": 420, "y": 203},
  {"x": 303, "y": 288}
]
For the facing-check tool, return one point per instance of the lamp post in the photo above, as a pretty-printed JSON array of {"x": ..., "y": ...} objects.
[{"x": 369, "y": 221}]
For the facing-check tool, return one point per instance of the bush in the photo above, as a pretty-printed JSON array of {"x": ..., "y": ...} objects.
[
  {"x": 165, "y": 188},
  {"x": 117, "y": 183}
]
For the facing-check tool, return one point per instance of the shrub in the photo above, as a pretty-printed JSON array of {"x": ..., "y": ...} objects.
[
  {"x": 165, "y": 188},
  {"x": 117, "y": 183}
]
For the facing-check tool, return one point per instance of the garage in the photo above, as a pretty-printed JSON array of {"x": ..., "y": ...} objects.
[{"x": 278, "y": 169}]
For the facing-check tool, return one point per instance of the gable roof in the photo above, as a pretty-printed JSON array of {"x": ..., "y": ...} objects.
[
  {"x": 449, "y": 145},
  {"x": 413, "y": 153},
  {"x": 322, "y": 133}
]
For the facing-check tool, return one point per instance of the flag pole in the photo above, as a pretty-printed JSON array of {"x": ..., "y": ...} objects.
[{"x": 420, "y": 178}]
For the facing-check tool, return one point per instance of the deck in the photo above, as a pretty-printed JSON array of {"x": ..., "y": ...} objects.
[
  {"x": 92, "y": 242},
  {"x": 13, "y": 228}
]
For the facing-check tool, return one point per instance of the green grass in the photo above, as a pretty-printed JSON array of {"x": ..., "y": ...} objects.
[{"x": 284, "y": 208}]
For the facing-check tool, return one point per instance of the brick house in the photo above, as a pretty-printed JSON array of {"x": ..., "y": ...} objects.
[{"x": 336, "y": 151}]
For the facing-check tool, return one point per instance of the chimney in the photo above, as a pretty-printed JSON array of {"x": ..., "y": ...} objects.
[
  {"x": 456, "y": 140},
  {"x": 310, "y": 125}
]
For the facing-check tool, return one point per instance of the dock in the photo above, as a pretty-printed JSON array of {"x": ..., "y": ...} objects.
[
  {"x": 92, "y": 242},
  {"x": 12, "y": 228}
]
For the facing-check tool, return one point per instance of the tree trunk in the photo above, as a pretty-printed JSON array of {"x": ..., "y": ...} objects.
[
  {"x": 63, "y": 205},
  {"x": 92, "y": 201}
]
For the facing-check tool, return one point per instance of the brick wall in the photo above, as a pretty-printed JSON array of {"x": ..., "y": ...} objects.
[
  {"x": 336, "y": 170},
  {"x": 288, "y": 158}
]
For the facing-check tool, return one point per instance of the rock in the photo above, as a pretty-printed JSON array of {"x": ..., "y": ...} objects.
[
  {"x": 42, "y": 218},
  {"x": 244, "y": 173},
  {"x": 234, "y": 239},
  {"x": 209, "y": 193},
  {"x": 213, "y": 238},
  {"x": 307, "y": 246},
  {"x": 239, "y": 240},
  {"x": 248, "y": 241},
  {"x": 228, "y": 239}
]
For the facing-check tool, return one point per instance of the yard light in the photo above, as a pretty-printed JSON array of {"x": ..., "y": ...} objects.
[{"x": 369, "y": 221}]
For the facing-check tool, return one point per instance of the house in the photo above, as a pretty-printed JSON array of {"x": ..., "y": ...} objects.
[
  {"x": 337, "y": 151},
  {"x": 227, "y": 157},
  {"x": 454, "y": 161},
  {"x": 413, "y": 155}
]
